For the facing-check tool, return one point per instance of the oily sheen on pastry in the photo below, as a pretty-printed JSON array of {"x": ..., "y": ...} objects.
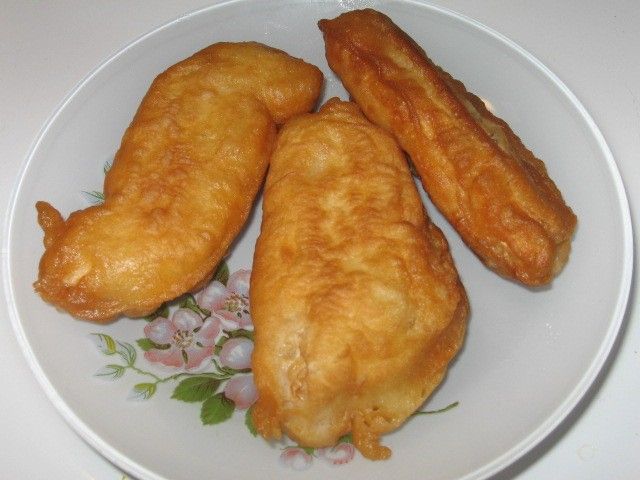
[
  {"x": 488, "y": 185},
  {"x": 356, "y": 302},
  {"x": 181, "y": 185}
]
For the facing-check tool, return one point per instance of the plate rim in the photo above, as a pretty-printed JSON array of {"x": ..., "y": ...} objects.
[{"x": 510, "y": 456}]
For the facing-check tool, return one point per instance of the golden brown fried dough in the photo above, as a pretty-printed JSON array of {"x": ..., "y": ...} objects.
[
  {"x": 356, "y": 303},
  {"x": 493, "y": 190},
  {"x": 181, "y": 186}
]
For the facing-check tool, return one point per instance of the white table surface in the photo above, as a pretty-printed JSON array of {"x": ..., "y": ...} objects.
[{"x": 46, "y": 48}]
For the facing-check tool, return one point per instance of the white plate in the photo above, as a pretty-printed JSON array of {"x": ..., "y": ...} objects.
[{"x": 529, "y": 355}]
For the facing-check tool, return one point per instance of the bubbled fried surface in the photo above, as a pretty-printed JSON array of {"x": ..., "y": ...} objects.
[
  {"x": 356, "y": 303},
  {"x": 181, "y": 185},
  {"x": 490, "y": 187}
]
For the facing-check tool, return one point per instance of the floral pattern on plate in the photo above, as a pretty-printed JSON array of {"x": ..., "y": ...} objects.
[{"x": 208, "y": 339}]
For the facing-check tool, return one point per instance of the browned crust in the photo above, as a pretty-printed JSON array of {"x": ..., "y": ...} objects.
[
  {"x": 356, "y": 302},
  {"x": 181, "y": 186},
  {"x": 490, "y": 187}
]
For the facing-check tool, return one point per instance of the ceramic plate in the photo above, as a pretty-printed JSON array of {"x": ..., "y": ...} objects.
[{"x": 529, "y": 356}]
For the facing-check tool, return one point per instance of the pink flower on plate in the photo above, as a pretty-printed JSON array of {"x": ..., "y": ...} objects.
[
  {"x": 340, "y": 454},
  {"x": 230, "y": 302},
  {"x": 296, "y": 458},
  {"x": 242, "y": 391},
  {"x": 236, "y": 353},
  {"x": 187, "y": 341}
]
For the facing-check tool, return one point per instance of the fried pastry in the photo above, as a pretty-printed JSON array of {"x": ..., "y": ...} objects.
[
  {"x": 489, "y": 186},
  {"x": 356, "y": 302},
  {"x": 181, "y": 186}
]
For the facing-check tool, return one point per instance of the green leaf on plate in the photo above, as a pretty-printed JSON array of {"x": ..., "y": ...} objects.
[
  {"x": 196, "y": 389},
  {"x": 241, "y": 332},
  {"x": 216, "y": 409},
  {"x": 127, "y": 352},
  {"x": 94, "y": 197},
  {"x": 145, "y": 344},
  {"x": 190, "y": 303},
  {"x": 162, "y": 311},
  {"x": 441, "y": 410},
  {"x": 222, "y": 273},
  {"x": 105, "y": 343},
  {"x": 143, "y": 391},
  {"x": 248, "y": 421},
  {"x": 111, "y": 371}
]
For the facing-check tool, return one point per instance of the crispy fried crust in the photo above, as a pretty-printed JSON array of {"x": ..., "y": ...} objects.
[
  {"x": 489, "y": 186},
  {"x": 355, "y": 299},
  {"x": 181, "y": 186}
]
